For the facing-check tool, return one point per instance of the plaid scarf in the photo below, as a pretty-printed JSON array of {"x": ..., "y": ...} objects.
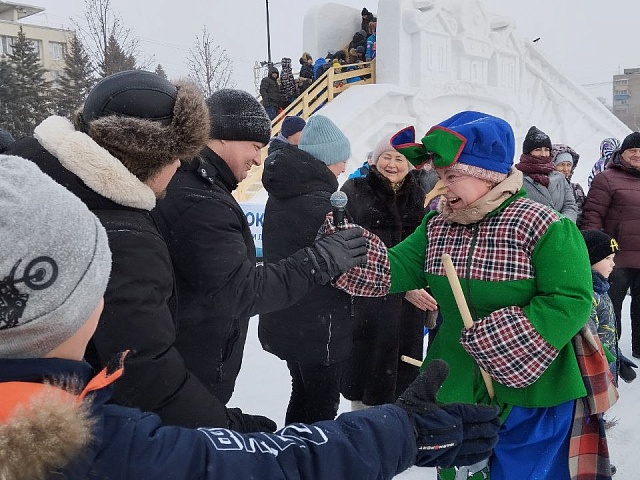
[
  {"x": 588, "y": 450},
  {"x": 538, "y": 168},
  {"x": 371, "y": 280}
]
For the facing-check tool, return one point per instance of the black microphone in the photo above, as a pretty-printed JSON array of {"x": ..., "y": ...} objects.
[{"x": 338, "y": 202}]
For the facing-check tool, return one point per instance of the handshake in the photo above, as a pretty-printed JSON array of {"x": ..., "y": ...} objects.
[{"x": 337, "y": 253}]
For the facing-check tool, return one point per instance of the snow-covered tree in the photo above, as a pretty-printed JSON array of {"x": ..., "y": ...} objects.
[
  {"x": 30, "y": 86},
  {"x": 76, "y": 80},
  {"x": 160, "y": 71}
]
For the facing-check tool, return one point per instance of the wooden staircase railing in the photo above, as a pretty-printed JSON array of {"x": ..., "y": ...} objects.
[{"x": 332, "y": 82}]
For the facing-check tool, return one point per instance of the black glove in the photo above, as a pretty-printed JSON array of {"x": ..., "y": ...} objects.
[
  {"x": 337, "y": 253},
  {"x": 626, "y": 369},
  {"x": 451, "y": 434},
  {"x": 244, "y": 423}
]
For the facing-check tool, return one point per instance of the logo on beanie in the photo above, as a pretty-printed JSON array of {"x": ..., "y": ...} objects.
[
  {"x": 614, "y": 245},
  {"x": 40, "y": 273}
]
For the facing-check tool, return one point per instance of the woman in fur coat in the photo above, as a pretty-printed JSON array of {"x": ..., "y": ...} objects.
[{"x": 388, "y": 201}]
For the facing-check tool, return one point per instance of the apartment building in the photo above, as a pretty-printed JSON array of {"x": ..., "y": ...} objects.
[
  {"x": 50, "y": 42},
  {"x": 626, "y": 97}
]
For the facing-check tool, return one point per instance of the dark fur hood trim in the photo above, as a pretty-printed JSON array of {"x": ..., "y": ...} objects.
[
  {"x": 44, "y": 437},
  {"x": 145, "y": 146}
]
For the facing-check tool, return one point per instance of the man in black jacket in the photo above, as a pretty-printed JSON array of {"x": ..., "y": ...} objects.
[
  {"x": 118, "y": 157},
  {"x": 270, "y": 92},
  {"x": 213, "y": 253}
]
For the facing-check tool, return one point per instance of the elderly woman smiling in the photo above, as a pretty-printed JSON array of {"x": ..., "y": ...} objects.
[{"x": 388, "y": 202}]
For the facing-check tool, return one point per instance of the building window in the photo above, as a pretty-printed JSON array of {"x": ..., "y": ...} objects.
[
  {"x": 37, "y": 46},
  {"x": 56, "y": 50},
  {"x": 622, "y": 81},
  {"x": 7, "y": 44}
]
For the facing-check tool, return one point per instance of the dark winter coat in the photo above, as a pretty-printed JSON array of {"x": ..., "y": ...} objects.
[
  {"x": 129, "y": 444},
  {"x": 316, "y": 329},
  {"x": 390, "y": 326},
  {"x": 270, "y": 90},
  {"x": 613, "y": 204},
  {"x": 218, "y": 282},
  {"x": 139, "y": 302},
  {"x": 359, "y": 40},
  {"x": 287, "y": 82},
  {"x": 306, "y": 71}
]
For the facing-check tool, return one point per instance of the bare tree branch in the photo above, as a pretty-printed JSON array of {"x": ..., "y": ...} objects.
[
  {"x": 101, "y": 25},
  {"x": 209, "y": 65}
]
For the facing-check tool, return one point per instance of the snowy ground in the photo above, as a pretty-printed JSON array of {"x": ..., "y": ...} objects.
[{"x": 264, "y": 386}]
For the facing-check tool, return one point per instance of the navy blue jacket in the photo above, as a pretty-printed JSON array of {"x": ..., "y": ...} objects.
[{"x": 377, "y": 443}]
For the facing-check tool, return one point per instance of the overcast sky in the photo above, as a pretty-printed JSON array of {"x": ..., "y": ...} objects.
[{"x": 589, "y": 41}]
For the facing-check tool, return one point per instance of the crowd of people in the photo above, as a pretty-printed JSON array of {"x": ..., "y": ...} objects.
[
  {"x": 120, "y": 258},
  {"x": 279, "y": 88}
]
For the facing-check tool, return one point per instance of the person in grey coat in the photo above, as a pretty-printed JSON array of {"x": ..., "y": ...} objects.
[{"x": 541, "y": 181}]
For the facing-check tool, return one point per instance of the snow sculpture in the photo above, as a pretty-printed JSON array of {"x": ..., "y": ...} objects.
[{"x": 437, "y": 57}]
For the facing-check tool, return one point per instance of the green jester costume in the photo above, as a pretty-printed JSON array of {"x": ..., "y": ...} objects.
[{"x": 526, "y": 277}]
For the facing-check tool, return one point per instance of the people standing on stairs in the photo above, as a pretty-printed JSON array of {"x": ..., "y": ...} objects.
[
  {"x": 288, "y": 86},
  {"x": 270, "y": 92},
  {"x": 388, "y": 202},
  {"x": 367, "y": 18},
  {"x": 313, "y": 335},
  {"x": 305, "y": 77},
  {"x": 370, "y": 51},
  {"x": 541, "y": 181},
  {"x": 212, "y": 250}
]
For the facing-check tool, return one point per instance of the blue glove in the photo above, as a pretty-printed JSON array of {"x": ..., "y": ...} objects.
[{"x": 454, "y": 434}]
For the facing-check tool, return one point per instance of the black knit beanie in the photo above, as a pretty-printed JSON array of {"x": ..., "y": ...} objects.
[
  {"x": 599, "y": 245},
  {"x": 236, "y": 115},
  {"x": 630, "y": 141},
  {"x": 535, "y": 138}
]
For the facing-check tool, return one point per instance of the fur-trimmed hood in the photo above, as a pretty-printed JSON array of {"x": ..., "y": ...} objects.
[
  {"x": 114, "y": 154},
  {"x": 45, "y": 436},
  {"x": 95, "y": 166}
]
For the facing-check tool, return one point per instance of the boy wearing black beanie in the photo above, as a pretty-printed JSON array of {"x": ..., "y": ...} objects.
[{"x": 602, "y": 249}]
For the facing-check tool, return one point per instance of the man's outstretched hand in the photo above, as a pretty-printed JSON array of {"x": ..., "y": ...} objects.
[{"x": 454, "y": 434}]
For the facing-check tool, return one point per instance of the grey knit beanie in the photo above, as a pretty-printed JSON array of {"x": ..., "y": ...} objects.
[
  {"x": 563, "y": 157},
  {"x": 55, "y": 261},
  {"x": 323, "y": 139}
]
